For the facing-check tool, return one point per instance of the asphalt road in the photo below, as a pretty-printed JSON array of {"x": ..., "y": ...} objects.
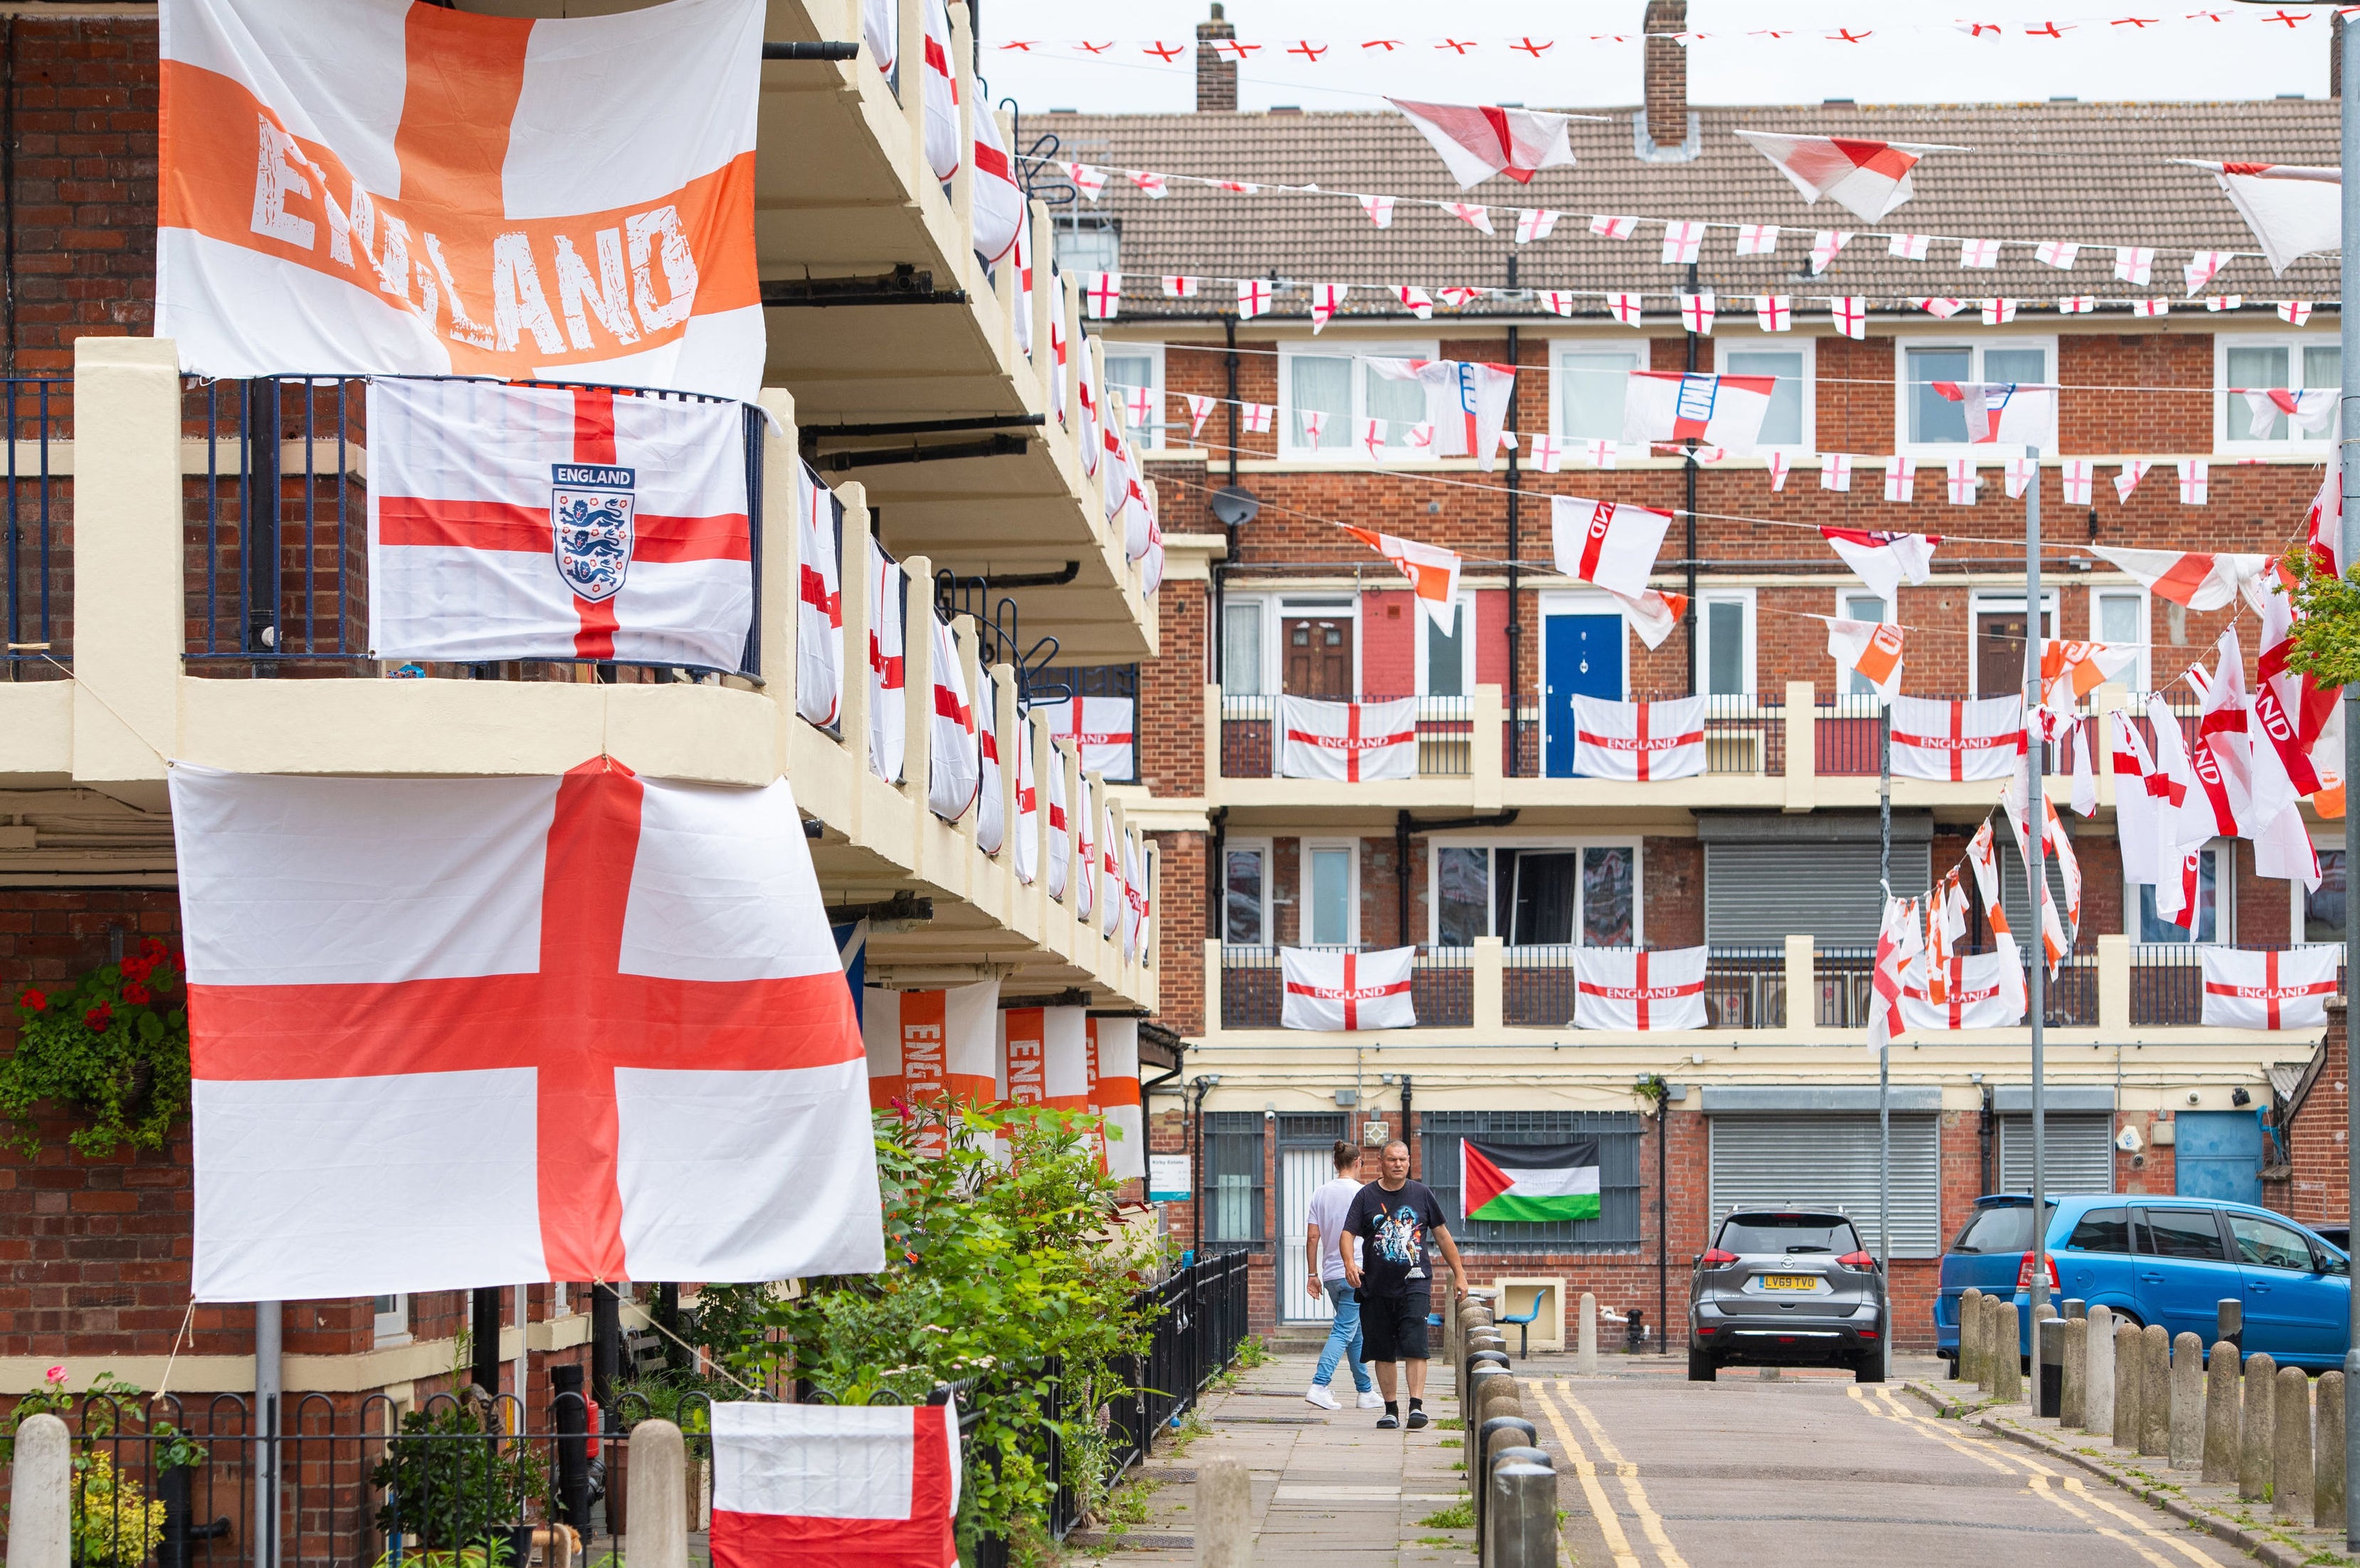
[{"x": 1814, "y": 1470}]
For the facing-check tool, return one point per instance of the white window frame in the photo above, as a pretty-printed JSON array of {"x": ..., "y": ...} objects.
[
  {"x": 1466, "y": 603},
  {"x": 2138, "y": 671},
  {"x": 2224, "y": 899},
  {"x": 1304, "y": 850},
  {"x": 2232, "y": 418},
  {"x": 1153, "y": 352},
  {"x": 1784, "y": 341},
  {"x": 1267, "y": 849},
  {"x": 1843, "y": 611},
  {"x": 1983, "y": 601},
  {"x": 1345, "y": 602},
  {"x": 1706, "y": 599},
  {"x": 392, "y": 1325},
  {"x": 1977, "y": 346},
  {"x": 1290, "y": 433},
  {"x": 1436, "y": 844},
  {"x": 1262, "y": 606},
  {"x": 1560, "y": 377}
]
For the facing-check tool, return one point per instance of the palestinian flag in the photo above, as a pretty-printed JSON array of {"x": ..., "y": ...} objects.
[{"x": 1528, "y": 1182}]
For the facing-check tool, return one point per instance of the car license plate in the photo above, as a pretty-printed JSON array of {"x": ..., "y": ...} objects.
[{"x": 1790, "y": 1282}]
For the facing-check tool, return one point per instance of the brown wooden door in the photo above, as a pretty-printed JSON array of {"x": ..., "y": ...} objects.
[
  {"x": 1999, "y": 651},
  {"x": 1318, "y": 656}
]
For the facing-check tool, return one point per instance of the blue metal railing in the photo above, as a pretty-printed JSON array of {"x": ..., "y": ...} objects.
[{"x": 36, "y": 553}]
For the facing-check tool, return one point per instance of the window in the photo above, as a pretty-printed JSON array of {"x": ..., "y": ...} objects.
[
  {"x": 1728, "y": 619},
  {"x": 2000, "y": 1228},
  {"x": 1346, "y": 390},
  {"x": 1929, "y": 418},
  {"x": 1860, "y": 607},
  {"x": 1133, "y": 367},
  {"x": 1245, "y": 879},
  {"x": 1462, "y": 898},
  {"x": 1535, "y": 895},
  {"x": 1088, "y": 245},
  {"x": 1331, "y": 911},
  {"x": 2290, "y": 362},
  {"x": 1590, "y": 385},
  {"x": 1233, "y": 1176},
  {"x": 392, "y": 1324},
  {"x": 1785, "y": 1235},
  {"x": 2181, "y": 1233},
  {"x": 1241, "y": 647},
  {"x": 1788, "y": 424},
  {"x": 2118, "y": 617},
  {"x": 2323, "y": 910},
  {"x": 2212, "y": 924},
  {"x": 2267, "y": 1245},
  {"x": 1446, "y": 661},
  {"x": 1616, "y": 1229},
  {"x": 2101, "y": 1230}
]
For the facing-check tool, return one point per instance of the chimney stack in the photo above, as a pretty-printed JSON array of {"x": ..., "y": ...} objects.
[
  {"x": 1666, "y": 73},
  {"x": 1216, "y": 77}
]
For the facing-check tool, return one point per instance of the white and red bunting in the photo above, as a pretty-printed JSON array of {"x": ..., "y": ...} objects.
[
  {"x": 1981, "y": 990},
  {"x": 819, "y": 608},
  {"x": 2134, "y": 263},
  {"x": 2294, "y": 211},
  {"x": 1102, "y": 729},
  {"x": 1534, "y": 224},
  {"x": 1327, "y": 299},
  {"x": 1611, "y": 543},
  {"x": 2006, "y": 412},
  {"x": 1179, "y": 287},
  {"x": 1774, "y": 312},
  {"x": 1640, "y": 742},
  {"x": 1757, "y": 239},
  {"x": 1909, "y": 246},
  {"x": 1101, "y": 295},
  {"x": 2312, "y": 411},
  {"x": 1478, "y": 141},
  {"x": 676, "y": 1089},
  {"x": 2197, "y": 580},
  {"x": 1826, "y": 245},
  {"x": 1696, "y": 313},
  {"x": 1432, "y": 571},
  {"x": 1869, "y": 649},
  {"x": 1346, "y": 992},
  {"x": 1682, "y": 240},
  {"x": 1611, "y": 227},
  {"x": 1653, "y": 615},
  {"x": 1716, "y": 410},
  {"x": 1867, "y": 179},
  {"x": 1850, "y": 314},
  {"x": 1882, "y": 560},
  {"x": 1380, "y": 210},
  {"x": 1900, "y": 949},
  {"x": 1087, "y": 180},
  {"x": 538, "y": 522},
  {"x": 1351, "y": 743},
  {"x": 1627, "y": 308},
  {"x": 808, "y": 1483},
  {"x": 1955, "y": 741},
  {"x": 1639, "y": 990},
  {"x": 2271, "y": 990},
  {"x": 2071, "y": 671}
]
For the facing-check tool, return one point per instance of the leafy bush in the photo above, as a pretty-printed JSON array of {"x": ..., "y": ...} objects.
[
  {"x": 114, "y": 1047},
  {"x": 452, "y": 1483},
  {"x": 114, "y": 1525}
]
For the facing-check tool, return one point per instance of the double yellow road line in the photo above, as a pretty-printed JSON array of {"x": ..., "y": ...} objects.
[{"x": 1554, "y": 1399}]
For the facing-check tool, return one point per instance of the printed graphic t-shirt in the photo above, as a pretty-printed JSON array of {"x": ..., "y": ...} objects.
[{"x": 1393, "y": 1227}]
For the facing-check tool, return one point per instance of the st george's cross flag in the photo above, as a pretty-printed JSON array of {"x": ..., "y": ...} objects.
[
  {"x": 402, "y": 188},
  {"x": 2194, "y": 578},
  {"x": 538, "y": 522},
  {"x": 1479, "y": 140},
  {"x": 1102, "y": 729},
  {"x": 2006, "y": 412},
  {"x": 931, "y": 1045},
  {"x": 1900, "y": 959},
  {"x": 1349, "y": 741},
  {"x": 1611, "y": 543},
  {"x": 1716, "y": 410},
  {"x": 1529, "y": 1183},
  {"x": 2293, "y": 210},
  {"x": 2274, "y": 990},
  {"x": 1982, "y": 990},
  {"x": 1334, "y": 991},
  {"x": 1883, "y": 560},
  {"x": 1632, "y": 988},
  {"x": 1969, "y": 738},
  {"x": 453, "y": 1033},
  {"x": 955, "y": 760},
  {"x": 1867, "y": 179},
  {"x": 1466, "y": 401},
  {"x": 863, "y": 1486},
  {"x": 1639, "y": 742},
  {"x": 819, "y": 594},
  {"x": 1112, "y": 1045}
]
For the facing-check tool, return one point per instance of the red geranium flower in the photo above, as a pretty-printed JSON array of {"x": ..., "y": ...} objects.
[
  {"x": 33, "y": 1000},
  {"x": 98, "y": 1018},
  {"x": 153, "y": 947},
  {"x": 136, "y": 994},
  {"x": 136, "y": 970}
]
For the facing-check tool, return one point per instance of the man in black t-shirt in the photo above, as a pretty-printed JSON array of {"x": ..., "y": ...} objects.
[{"x": 1393, "y": 1217}]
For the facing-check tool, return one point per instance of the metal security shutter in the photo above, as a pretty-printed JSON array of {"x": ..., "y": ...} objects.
[
  {"x": 1823, "y": 1161},
  {"x": 2014, "y": 895},
  {"x": 1764, "y": 893},
  {"x": 2080, "y": 1153}
]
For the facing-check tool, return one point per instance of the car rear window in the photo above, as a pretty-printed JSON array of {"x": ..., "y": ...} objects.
[
  {"x": 2102, "y": 1230},
  {"x": 1788, "y": 1234},
  {"x": 2003, "y": 1227}
]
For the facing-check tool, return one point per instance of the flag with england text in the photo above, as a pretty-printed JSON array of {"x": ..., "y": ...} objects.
[
  {"x": 2277, "y": 988},
  {"x": 1634, "y": 988},
  {"x": 1348, "y": 742},
  {"x": 1639, "y": 742},
  {"x": 1465, "y": 402},
  {"x": 1611, "y": 543},
  {"x": 544, "y": 522},
  {"x": 1103, "y": 730},
  {"x": 404, "y": 189},
  {"x": 1333, "y": 990},
  {"x": 1113, "y": 1072},
  {"x": 1716, "y": 410},
  {"x": 1528, "y": 1183},
  {"x": 1957, "y": 740},
  {"x": 931, "y": 1045},
  {"x": 861, "y": 1486},
  {"x": 1981, "y": 991},
  {"x": 457, "y": 1032}
]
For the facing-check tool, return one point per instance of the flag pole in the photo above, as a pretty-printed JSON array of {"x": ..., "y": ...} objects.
[
  {"x": 2348, "y": 462},
  {"x": 2036, "y": 834},
  {"x": 1884, "y": 1047}
]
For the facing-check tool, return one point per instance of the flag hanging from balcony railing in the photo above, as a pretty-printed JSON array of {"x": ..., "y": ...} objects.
[
  {"x": 819, "y": 602},
  {"x": 1639, "y": 742},
  {"x": 867, "y": 1484},
  {"x": 991, "y": 800},
  {"x": 537, "y": 522},
  {"x": 2273, "y": 989},
  {"x": 1044, "y": 1056},
  {"x": 1352, "y": 742},
  {"x": 1114, "y": 1096},
  {"x": 1338, "y": 991},
  {"x": 409, "y": 190},
  {"x": 1632, "y": 988},
  {"x": 1103, "y": 730},
  {"x": 931, "y": 1045},
  {"x": 955, "y": 760},
  {"x": 1957, "y": 740},
  {"x": 889, "y": 707}
]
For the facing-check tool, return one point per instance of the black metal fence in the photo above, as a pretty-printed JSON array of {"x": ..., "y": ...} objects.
[{"x": 35, "y": 535}]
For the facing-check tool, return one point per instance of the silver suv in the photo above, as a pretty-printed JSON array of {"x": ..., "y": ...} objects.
[{"x": 1786, "y": 1288}]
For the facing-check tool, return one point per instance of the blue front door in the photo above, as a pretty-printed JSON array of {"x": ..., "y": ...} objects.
[
  {"x": 1581, "y": 656},
  {"x": 2219, "y": 1155}
]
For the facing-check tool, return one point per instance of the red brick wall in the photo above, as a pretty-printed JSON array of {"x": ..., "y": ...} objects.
[
  {"x": 1671, "y": 878},
  {"x": 1388, "y": 644},
  {"x": 1172, "y": 696},
  {"x": 1180, "y": 924},
  {"x": 2318, "y": 1139}
]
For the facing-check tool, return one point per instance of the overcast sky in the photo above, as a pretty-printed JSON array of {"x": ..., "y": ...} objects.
[{"x": 1926, "y": 61}]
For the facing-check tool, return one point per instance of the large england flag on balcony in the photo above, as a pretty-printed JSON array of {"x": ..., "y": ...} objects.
[
  {"x": 1103, "y": 730},
  {"x": 1327, "y": 989},
  {"x": 538, "y": 522},
  {"x": 1640, "y": 741},
  {"x": 1972, "y": 738},
  {"x": 2274, "y": 990},
  {"x": 404, "y": 189},
  {"x": 1349, "y": 741},
  {"x": 450, "y": 1033},
  {"x": 1631, "y": 988},
  {"x": 865, "y": 1485}
]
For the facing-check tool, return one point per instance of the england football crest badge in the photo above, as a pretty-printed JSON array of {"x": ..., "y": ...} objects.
[{"x": 590, "y": 507}]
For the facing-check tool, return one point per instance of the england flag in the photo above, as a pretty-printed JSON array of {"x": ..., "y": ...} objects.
[
  {"x": 1611, "y": 543},
  {"x": 819, "y": 608},
  {"x": 1632, "y": 988},
  {"x": 1981, "y": 990},
  {"x": 1867, "y": 179},
  {"x": 1334, "y": 990},
  {"x": 844, "y": 1484},
  {"x": 1352, "y": 742},
  {"x": 1883, "y": 561},
  {"x": 2274, "y": 990},
  {"x": 1955, "y": 741},
  {"x": 1103, "y": 730},
  {"x": 1639, "y": 742},
  {"x": 1715, "y": 410}
]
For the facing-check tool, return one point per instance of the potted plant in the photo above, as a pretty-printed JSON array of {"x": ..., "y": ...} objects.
[{"x": 460, "y": 1490}]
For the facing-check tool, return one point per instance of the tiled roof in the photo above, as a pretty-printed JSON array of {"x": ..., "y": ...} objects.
[{"x": 2098, "y": 174}]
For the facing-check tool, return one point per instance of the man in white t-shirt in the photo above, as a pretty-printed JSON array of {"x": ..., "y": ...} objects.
[{"x": 1324, "y": 1271}]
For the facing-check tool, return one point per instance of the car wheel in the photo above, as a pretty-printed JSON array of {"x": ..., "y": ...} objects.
[
  {"x": 1702, "y": 1368},
  {"x": 1869, "y": 1367}
]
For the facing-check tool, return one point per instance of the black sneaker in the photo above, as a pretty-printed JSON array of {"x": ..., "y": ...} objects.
[
  {"x": 1388, "y": 1422},
  {"x": 1416, "y": 1418}
]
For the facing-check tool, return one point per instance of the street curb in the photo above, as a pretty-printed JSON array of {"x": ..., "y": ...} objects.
[{"x": 2265, "y": 1548}]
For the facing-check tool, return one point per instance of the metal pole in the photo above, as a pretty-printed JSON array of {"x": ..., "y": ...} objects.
[
  {"x": 2036, "y": 819},
  {"x": 2349, "y": 460},
  {"x": 268, "y": 1338},
  {"x": 1884, "y": 1047}
]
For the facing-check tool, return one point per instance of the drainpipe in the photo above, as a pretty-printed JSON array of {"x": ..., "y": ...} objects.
[
  {"x": 270, "y": 1383},
  {"x": 1690, "y": 477},
  {"x": 1515, "y": 627},
  {"x": 1216, "y": 873},
  {"x": 1663, "y": 1223},
  {"x": 1409, "y": 1131},
  {"x": 1401, "y": 880},
  {"x": 1196, "y": 1161}
]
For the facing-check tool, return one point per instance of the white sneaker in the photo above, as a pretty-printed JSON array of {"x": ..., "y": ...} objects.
[
  {"x": 1317, "y": 1395},
  {"x": 1371, "y": 1401}
]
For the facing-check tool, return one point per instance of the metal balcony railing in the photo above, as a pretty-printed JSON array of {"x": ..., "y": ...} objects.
[
  {"x": 2168, "y": 978},
  {"x": 1250, "y": 738},
  {"x": 36, "y": 536}
]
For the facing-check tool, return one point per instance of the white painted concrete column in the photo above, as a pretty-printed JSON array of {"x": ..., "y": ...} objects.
[
  {"x": 130, "y": 623},
  {"x": 40, "y": 1494}
]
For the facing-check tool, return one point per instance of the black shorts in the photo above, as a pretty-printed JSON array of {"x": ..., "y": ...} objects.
[{"x": 1393, "y": 1328}]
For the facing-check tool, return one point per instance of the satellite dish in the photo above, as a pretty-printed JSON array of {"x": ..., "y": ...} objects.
[{"x": 1235, "y": 505}]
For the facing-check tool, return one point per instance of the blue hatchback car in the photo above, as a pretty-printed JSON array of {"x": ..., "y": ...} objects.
[{"x": 2158, "y": 1259}]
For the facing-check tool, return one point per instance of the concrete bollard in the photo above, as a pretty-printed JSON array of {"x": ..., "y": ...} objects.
[
  {"x": 1585, "y": 1356},
  {"x": 2155, "y": 1390},
  {"x": 2255, "y": 1433},
  {"x": 1224, "y": 1515},
  {"x": 2073, "y": 1406},
  {"x": 2000, "y": 1346},
  {"x": 2187, "y": 1403},
  {"x": 1493, "y": 1438},
  {"x": 2045, "y": 1366},
  {"x": 1971, "y": 1330},
  {"x": 2098, "y": 1374},
  {"x": 2221, "y": 1415},
  {"x": 2291, "y": 1473},
  {"x": 41, "y": 1495},
  {"x": 2327, "y": 1455},
  {"x": 657, "y": 1495},
  {"x": 1521, "y": 1516},
  {"x": 2129, "y": 1385}
]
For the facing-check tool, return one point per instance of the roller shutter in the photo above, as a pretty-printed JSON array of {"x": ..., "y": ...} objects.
[
  {"x": 1766, "y": 893},
  {"x": 1831, "y": 1161},
  {"x": 2080, "y": 1153}
]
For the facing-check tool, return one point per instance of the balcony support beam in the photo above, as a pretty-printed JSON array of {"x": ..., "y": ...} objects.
[
  {"x": 1801, "y": 716},
  {"x": 2114, "y": 983},
  {"x": 129, "y": 621},
  {"x": 1802, "y": 986}
]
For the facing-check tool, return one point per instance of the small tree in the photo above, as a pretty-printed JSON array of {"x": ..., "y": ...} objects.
[{"x": 2327, "y": 624}]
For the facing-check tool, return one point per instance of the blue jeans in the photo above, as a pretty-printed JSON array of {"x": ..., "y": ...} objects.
[{"x": 1343, "y": 1337}]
